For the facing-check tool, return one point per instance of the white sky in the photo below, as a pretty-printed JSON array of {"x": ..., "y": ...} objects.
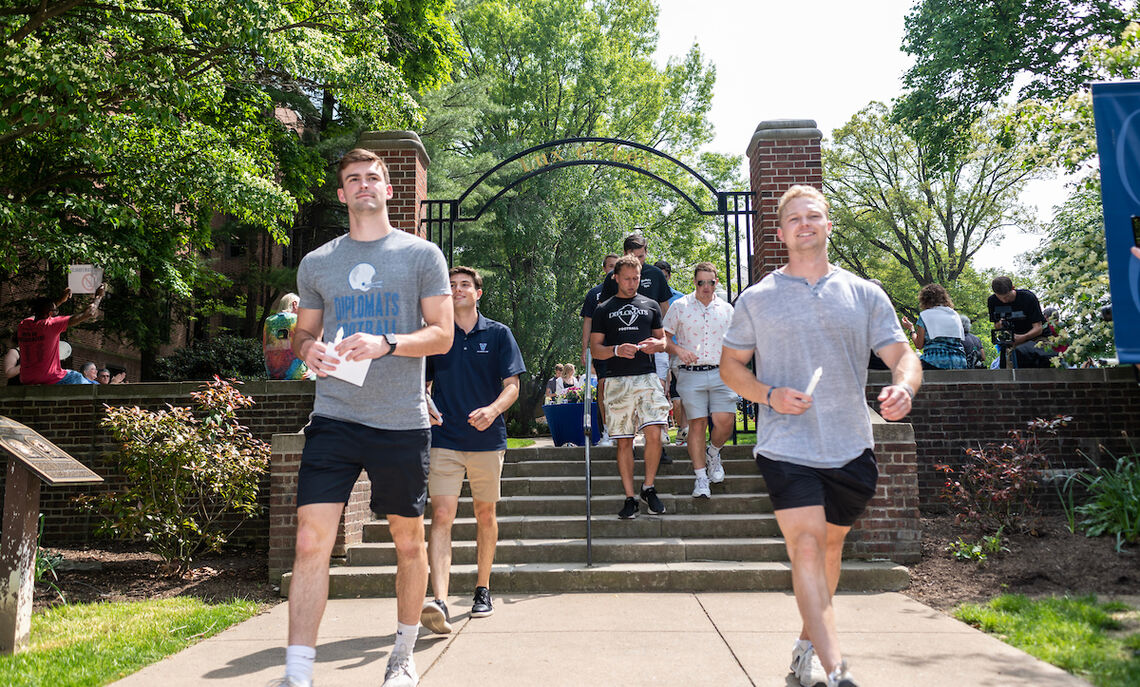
[{"x": 813, "y": 59}]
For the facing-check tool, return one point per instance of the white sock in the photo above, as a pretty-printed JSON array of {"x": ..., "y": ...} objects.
[
  {"x": 803, "y": 644},
  {"x": 405, "y": 638},
  {"x": 714, "y": 450},
  {"x": 703, "y": 473},
  {"x": 299, "y": 663},
  {"x": 645, "y": 486}
]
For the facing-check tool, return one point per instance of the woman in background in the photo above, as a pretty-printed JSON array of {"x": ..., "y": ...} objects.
[{"x": 938, "y": 331}]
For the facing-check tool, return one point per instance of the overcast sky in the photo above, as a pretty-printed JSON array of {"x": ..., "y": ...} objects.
[{"x": 813, "y": 59}]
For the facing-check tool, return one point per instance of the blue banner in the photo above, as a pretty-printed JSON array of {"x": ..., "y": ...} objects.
[{"x": 1116, "y": 107}]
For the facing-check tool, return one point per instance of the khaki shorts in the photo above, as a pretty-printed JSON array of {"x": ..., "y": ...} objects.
[
  {"x": 632, "y": 403},
  {"x": 483, "y": 470}
]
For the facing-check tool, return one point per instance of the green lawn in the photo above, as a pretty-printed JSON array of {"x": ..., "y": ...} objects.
[
  {"x": 512, "y": 442},
  {"x": 81, "y": 645},
  {"x": 1080, "y": 635}
]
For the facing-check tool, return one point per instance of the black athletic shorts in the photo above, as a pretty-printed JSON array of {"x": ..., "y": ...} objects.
[
  {"x": 396, "y": 462},
  {"x": 673, "y": 395},
  {"x": 843, "y": 492}
]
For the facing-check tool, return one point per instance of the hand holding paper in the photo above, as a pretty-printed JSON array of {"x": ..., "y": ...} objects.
[
  {"x": 351, "y": 371},
  {"x": 814, "y": 380}
]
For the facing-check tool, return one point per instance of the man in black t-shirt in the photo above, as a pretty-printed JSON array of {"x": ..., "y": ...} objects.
[
  {"x": 593, "y": 297},
  {"x": 652, "y": 284},
  {"x": 1021, "y": 309},
  {"x": 626, "y": 332}
]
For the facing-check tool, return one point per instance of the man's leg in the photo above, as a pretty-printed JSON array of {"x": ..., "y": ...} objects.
[
  {"x": 696, "y": 441},
  {"x": 811, "y": 542},
  {"x": 411, "y": 566},
  {"x": 443, "y": 509},
  {"x": 652, "y": 453},
  {"x": 625, "y": 464},
  {"x": 722, "y": 428},
  {"x": 486, "y": 538},
  {"x": 309, "y": 588}
]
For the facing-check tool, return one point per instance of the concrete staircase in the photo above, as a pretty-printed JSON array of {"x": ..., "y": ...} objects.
[{"x": 727, "y": 543}]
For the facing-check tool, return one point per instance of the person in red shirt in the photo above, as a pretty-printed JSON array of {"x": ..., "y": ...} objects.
[{"x": 39, "y": 341}]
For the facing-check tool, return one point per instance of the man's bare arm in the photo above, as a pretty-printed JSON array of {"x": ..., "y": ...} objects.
[
  {"x": 587, "y": 325},
  {"x": 307, "y": 343},
  {"x": 1033, "y": 333},
  {"x": 434, "y": 338},
  {"x": 906, "y": 379}
]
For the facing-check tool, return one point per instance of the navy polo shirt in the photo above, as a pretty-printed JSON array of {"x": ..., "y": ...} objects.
[{"x": 470, "y": 376}]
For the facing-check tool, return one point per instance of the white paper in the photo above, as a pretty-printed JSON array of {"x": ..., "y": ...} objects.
[
  {"x": 84, "y": 278},
  {"x": 351, "y": 371},
  {"x": 814, "y": 380}
]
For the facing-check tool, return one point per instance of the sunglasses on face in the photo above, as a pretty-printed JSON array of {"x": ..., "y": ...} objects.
[{"x": 706, "y": 282}]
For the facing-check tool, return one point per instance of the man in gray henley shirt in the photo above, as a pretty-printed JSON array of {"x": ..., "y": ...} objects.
[{"x": 814, "y": 449}]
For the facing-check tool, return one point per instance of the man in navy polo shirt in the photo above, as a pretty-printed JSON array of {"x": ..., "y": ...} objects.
[{"x": 473, "y": 384}]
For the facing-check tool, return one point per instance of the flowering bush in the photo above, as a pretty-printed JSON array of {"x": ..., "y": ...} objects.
[{"x": 574, "y": 394}]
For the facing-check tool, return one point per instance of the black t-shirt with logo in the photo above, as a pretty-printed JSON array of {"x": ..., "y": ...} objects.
[
  {"x": 653, "y": 286},
  {"x": 627, "y": 320}
]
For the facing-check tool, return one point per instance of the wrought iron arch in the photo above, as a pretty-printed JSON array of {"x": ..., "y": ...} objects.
[{"x": 438, "y": 217}]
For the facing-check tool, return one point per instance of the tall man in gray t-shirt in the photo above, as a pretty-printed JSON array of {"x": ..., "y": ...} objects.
[
  {"x": 385, "y": 295},
  {"x": 814, "y": 449}
]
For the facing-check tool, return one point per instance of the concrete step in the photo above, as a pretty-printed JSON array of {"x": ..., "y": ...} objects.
[
  {"x": 608, "y": 468},
  {"x": 616, "y": 550},
  {"x": 608, "y": 526},
  {"x": 578, "y": 453},
  {"x": 689, "y": 576},
  {"x": 576, "y": 486},
  {"x": 604, "y": 506}
]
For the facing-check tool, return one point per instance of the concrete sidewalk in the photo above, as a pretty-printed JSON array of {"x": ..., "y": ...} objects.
[{"x": 616, "y": 639}]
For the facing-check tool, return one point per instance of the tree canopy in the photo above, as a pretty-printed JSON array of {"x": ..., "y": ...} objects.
[
  {"x": 968, "y": 55},
  {"x": 542, "y": 70},
  {"x": 127, "y": 127}
]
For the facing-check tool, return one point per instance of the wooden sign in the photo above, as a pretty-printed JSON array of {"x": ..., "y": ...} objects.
[{"x": 31, "y": 461}]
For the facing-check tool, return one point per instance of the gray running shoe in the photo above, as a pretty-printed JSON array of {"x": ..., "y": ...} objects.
[
  {"x": 433, "y": 616},
  {"x": 401, "y": 671},
  {"x": 716, "y": 470},
  {"x": 701, "y": 488},
  {"x": 841, "y": 677},
  {"x": 288, "y": 682}
]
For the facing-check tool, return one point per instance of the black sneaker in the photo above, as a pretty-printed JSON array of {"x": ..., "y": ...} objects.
[
  {"x": 649, "y": 496},
  {"x": 433, "y": 616},
  {"x": 629, "y": 510},
  {"x": 482, "y": 607}
]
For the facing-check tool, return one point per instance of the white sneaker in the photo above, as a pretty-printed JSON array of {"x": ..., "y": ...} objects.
[
  {"x": 716, "y": 470},
  {"x": 401, "y": 671},
  {"x": 682, "y": 436},
  {"x": 664, "y": 436},
  {"x": 605, "y": 440},
  {"x": 841, "y": 677},
  {"x": 701, "y": 488},
  {"x": 289, "y": 682},
  {"x": 807, "y": 668}
]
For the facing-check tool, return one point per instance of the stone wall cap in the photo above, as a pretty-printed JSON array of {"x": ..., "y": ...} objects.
[
  {"x": 783, "y": 130},
  {"x": 399, "y": 140}
]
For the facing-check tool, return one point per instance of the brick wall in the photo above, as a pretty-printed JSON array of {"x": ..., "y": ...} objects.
[
  {"x": 956, "y": 409},
  {"x": 782, "y": 152},
  {"x": 69, "y": 417},
  {"x": 890, "y": 527}
]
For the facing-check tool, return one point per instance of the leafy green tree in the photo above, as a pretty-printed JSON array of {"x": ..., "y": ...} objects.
[
  {"x": 541, "y": 70},
  {"x": 968, "y": 54},
  {"x": 126, "y": 128},
  {"x": 1072, "y": 274},
  {"x": 899, "y": 220}
]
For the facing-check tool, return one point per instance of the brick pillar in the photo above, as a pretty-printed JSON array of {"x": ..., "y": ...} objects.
[
  {"x": 407, "y": 162},
  {"x": 285, "y": 459},
  {"x": 782, "y": 152}
]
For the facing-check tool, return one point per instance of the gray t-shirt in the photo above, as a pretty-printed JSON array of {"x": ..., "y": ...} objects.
[
  {"x": 794, "y": 328},
  {"x": 374, "y": 287}
]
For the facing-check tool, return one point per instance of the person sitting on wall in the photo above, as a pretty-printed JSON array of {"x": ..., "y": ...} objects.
[
  {"x": 11, "y": 358},
  {"x": 938, "y": 332},
  {"x": 39, "y": 341},
  {"x": 975, "y": 351},
  {"x": 90, "y": 371},
  {"x": 277, "y": 342}
]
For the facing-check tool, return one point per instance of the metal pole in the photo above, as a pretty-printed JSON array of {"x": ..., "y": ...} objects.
[{"x": 586, "y": 421}]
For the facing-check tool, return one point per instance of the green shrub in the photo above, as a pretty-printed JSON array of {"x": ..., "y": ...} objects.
[
  {"x": 1113, "y": 505},
  {"x": 978, "y": 551},
  {"x": 225, "y": 356},
  {"x": 190, "y": 480}
]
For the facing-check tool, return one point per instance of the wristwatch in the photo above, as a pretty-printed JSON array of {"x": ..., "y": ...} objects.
[{"x": 391, "y": 339}]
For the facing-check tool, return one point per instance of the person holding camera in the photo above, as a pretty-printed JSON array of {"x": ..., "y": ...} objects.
[{"x": 1018, "y": 321}]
